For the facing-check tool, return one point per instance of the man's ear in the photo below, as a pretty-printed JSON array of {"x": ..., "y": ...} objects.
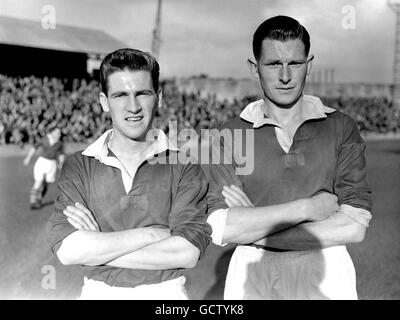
[
  {"x": 160, "y": 96},
  {"x": 253, "y": 68},
  {"x": 309, "y": 63},
  {"x": 104, "y": 102}
]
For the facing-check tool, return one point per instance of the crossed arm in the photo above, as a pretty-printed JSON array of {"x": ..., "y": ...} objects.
[
  {"x": 349, "y": 223},
  {"x": 312, "y": 223},
  {"x": 148, "y": 248},
  {"x": 76, "y": 237},
  {"x": 172, "y": 252},
  {"x": 337, "y": 228}
]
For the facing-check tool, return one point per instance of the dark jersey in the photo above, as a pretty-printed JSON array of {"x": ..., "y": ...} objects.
[{"x": 50, "y": 151}]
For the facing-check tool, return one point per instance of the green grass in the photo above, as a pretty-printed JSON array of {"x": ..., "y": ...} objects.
[{"x": 24, "y": 251}]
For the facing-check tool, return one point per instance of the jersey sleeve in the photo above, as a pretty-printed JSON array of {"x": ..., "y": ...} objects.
[
  {"x": 351, "y": 182},
  {"x": 220, "y": 172},
  {"x": 189, "y": 207},
  {"x": 70, "y": 190}
]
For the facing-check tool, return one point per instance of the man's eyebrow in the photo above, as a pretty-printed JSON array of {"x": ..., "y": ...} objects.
[
  {"x": 273, "y": 61},
  {"x": 277, "y": 61},
  {"x": 144, "y": 91},
  {"x": 116, "y": 93},
  {"x": 298, "y": 60}
]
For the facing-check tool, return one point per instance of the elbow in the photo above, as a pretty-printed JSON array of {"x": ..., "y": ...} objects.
[
  {"x": 64, "y": 257},
  {"x": 69, "y": 258},
  {"x": 359, "y": 236},
  {"x": 70, "y": 252},
  {"x": 357, "y": 233},
  {"x": 191, "y": 257},
  {"x": 237, "y": 237}
]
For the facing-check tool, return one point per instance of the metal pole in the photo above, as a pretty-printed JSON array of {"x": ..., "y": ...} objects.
[{"x": 155, "y": 46}]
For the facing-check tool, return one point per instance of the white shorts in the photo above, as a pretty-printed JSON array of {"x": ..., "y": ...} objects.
[
  {"x": 168, "y": 290},
  {"x": 296, "y": 275},
  {"x": 45, "y": 169}
]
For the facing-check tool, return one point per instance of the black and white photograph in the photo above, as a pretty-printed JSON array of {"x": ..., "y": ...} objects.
[{"x": 213, "y": 150}]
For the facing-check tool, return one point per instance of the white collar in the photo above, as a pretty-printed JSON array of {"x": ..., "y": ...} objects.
[
  {"x": 257, "y": 111},
  {"x": 99, "y": 148}
]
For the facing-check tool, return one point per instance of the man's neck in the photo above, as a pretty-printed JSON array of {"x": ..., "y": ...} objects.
[
  {"x": 285, "y": 116},
  {"x": 125, "y": 147}
]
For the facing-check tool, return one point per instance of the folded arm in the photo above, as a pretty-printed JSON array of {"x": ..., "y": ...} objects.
[
  {"x": 73, "y": 231},
  {"x": 247, "y": 224},
  {"x": 338, "y": 229},
  {"x": 148, "y": 248},
  {"x": 95, "y": 248},
  {"x": 90, "y": 247},
  {"x": 173, "y": 252},
  {"x": 349, "y": 223},
  {"x": 190, "y": 234}
]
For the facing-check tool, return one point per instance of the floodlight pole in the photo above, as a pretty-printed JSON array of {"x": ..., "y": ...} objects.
[
  {"x": 155, "y": 46},
  {"x": 395, "y": 6}
]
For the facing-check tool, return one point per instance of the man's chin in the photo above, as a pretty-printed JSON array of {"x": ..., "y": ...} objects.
[
  {"x": 286, "y": 102},
  {"x": 137, "y": 137},
  {"x": 132, "y": 134}
]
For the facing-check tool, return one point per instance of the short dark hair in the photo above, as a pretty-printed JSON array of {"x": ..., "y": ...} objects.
[
  {"x": 280, "y": 28},
  {"x": 128, "y": 59}
]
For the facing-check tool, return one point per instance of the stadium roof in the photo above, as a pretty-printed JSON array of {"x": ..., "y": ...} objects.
[{"x": 29, "y": 33}]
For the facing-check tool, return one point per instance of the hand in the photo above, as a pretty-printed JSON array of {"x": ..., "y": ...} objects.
[
  {"x": 235, "y": 197},
  {"x": 322, "y": 206},
  {"x": 81, "y": 218}
]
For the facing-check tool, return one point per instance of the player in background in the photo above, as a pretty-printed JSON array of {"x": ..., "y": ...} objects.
[{"x": 51, "y": 155}]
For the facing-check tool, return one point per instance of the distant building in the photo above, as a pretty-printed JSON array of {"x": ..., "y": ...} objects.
[{"x": 64, "y": 52}]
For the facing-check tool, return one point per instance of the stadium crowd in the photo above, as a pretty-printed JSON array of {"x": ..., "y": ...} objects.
[{"x": 28, "y": 105}]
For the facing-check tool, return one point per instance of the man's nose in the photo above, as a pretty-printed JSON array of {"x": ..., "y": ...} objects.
[
  {"x": 134, "y": 105},
  {"x": 285, "y": 75}
]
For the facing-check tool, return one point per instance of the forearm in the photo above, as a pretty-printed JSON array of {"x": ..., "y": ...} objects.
[
  {"x": 335, "y": 230},
  {"x": 171, "y": 253},
  {"x": 61, "y": 159},
  {"x": 96, "y": 248},
  {"x": 250, "y": 224},
  {"x": 30, "y": 155}
]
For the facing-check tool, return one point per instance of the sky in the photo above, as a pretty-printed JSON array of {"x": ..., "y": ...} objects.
[{"x": 213, "y": 37}]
